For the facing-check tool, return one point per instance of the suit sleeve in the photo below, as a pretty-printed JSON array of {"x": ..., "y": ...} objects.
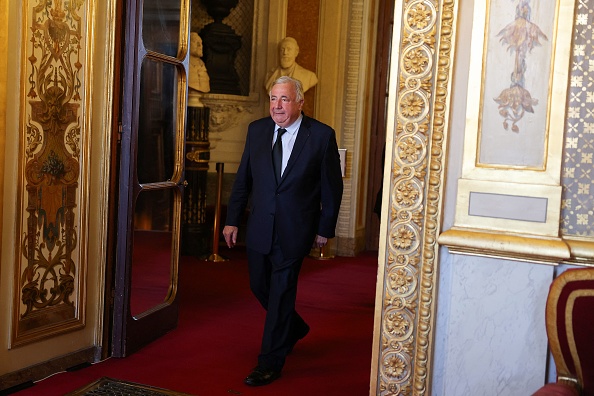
[
  {"x": 242, "y": 187},
  {"x": 331, "y": 187}
]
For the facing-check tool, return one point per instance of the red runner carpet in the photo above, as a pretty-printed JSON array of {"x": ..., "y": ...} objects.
[{"x": 220, "y": 325}]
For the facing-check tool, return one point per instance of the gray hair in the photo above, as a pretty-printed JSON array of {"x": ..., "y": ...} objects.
[{"x": 290, "y": 80}]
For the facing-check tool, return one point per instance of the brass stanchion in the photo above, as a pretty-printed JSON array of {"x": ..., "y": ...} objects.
[
  {"x": 215, "y": 234},
  {"x": 324, "y": 252},
  {"x": 322, "y": 255}
]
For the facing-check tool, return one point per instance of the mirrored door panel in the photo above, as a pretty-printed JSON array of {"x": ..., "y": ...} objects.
[
  {"x": 161, "y": 26},
  {"x": 153, "y": 255},
  {"x": 157, "y": 121}
]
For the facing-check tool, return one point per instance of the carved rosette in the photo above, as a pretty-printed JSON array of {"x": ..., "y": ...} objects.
[
  {"x": 49, "y": 276},
  {"x": 416, "y": 189}
]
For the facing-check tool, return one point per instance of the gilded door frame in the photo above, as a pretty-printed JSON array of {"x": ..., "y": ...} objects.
[{"x": 418, "y": 111}]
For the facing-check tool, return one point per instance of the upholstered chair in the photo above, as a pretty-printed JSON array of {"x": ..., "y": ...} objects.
[{"x": 570, "y": 330}]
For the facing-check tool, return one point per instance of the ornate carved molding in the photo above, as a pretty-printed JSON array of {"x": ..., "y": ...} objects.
[
  {"x": 227, "y": 112},
  {"x": 225, "y": 116},
  {"x": 422, "y": 67}
]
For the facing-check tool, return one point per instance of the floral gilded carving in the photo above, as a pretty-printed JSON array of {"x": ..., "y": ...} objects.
[
  {"x": 407, "y": 194},
  {"x": 410, "y": 149},
  {"x": 402, "y": 282},
  {"x": 404, "y": 237},
  {"x": 423, "y": 75}
]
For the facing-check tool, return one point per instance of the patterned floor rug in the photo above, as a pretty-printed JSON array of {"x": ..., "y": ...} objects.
[{"x": 109, "y": 386}]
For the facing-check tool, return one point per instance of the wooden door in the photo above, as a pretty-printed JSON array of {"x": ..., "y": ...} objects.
[{"x": 151, "y": 173}]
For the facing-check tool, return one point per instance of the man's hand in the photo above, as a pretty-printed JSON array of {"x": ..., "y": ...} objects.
[
  {"x": 320, "y": 241},
  {"x": 230, "y": 234}
]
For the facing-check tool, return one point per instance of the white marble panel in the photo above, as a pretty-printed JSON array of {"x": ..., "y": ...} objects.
[{"x": 490, "y": 331}]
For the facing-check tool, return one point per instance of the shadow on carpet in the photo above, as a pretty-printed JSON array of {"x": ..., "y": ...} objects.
[{"x": 108, "y": 386}]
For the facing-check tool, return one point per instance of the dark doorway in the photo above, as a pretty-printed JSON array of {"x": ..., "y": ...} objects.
[{"x": 378, "y": 124}]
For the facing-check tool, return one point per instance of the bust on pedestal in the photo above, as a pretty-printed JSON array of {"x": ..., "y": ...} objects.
[
  {"x": 288, "y": 49},
  {"x": 198, "y": 80}
]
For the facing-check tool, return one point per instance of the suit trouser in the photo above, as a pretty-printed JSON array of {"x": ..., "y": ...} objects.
[{"x": 273, "y": 280}]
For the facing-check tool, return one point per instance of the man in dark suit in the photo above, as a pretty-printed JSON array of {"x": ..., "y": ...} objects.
[{"x": 294, "y": 204}]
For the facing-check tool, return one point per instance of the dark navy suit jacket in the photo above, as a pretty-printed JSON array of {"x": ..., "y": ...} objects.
[{"x": 304, "y": 203}]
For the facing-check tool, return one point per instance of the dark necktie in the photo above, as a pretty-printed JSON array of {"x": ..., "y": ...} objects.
[{"x": 277, "y": 154}]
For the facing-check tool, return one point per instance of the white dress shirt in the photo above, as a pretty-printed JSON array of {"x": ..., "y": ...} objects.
[{"x": 288, "y": 140}]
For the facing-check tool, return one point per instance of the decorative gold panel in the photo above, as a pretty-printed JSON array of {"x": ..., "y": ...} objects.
[
  {"x": 49, "y": 292},
  {"x": 509, "y": 195},
  {"x": 419, "y": 92}
]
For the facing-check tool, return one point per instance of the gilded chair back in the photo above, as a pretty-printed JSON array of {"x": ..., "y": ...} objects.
[{"x": 570, "y": 328}]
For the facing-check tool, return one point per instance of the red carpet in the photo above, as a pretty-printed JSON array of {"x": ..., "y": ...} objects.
[{"x": 218, "y": 338}]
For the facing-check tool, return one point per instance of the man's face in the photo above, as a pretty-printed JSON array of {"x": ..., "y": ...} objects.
[
  {"x": 196, "y": 45},
  {"x": 284, "y": 108},
  {"x": 288, "y": 51}
]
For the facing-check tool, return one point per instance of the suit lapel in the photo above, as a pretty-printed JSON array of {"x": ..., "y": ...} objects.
[
  {"x": 268, "y": 145},
  {"x": 302, "y": 136}
]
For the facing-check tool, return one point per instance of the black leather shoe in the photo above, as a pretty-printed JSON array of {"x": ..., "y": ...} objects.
[{"x": 261, "y": 376}]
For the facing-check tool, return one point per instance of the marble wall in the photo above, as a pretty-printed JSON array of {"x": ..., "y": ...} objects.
[{"x": 491, "y": 337}]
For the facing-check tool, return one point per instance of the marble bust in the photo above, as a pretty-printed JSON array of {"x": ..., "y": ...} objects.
[
  {"x": 288, "y": 50},
  {"x": 198, "y": 79}
]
